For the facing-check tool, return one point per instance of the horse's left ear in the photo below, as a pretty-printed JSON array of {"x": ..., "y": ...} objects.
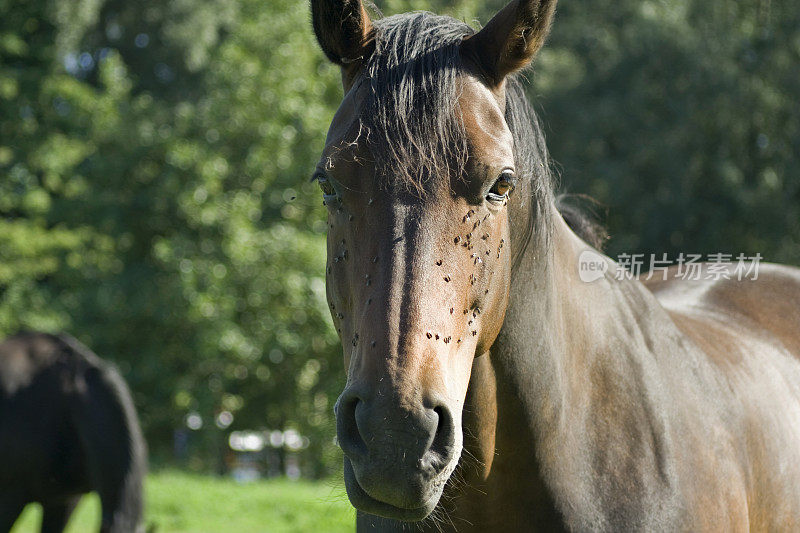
[
  {"x": 511, "y": 39},
  {"x": 344, "y": 31}
]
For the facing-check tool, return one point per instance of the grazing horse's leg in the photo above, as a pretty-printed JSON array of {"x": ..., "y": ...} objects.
[
  {"x": 9, "y": 512},
  {"x": 114, "y": 447},
  {"x": 56, "y": 514}
]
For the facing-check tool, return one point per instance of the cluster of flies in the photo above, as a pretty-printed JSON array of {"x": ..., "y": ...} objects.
[{"x": 466, "y": 242}]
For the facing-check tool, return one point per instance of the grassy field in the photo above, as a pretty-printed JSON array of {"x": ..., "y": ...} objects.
[{"x": 181, "y": 502}]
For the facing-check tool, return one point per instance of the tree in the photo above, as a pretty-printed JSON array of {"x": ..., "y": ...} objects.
[
  {"x": 678, "y": 118},
  {"x": 181, "y": 237}
]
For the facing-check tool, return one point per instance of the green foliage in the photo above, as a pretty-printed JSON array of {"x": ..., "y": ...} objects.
[
  {"x": 155, "y": 157},
  {"x": 155, "y": 202},
  {"x": 682, "y": 119},
  {"x": 179, "y": 502}
]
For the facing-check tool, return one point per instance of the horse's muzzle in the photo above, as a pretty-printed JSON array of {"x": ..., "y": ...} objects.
[{"x": 397, "y": 458}]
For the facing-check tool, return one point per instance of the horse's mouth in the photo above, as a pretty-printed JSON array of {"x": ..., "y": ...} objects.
[{"x": 362, "y": 501}]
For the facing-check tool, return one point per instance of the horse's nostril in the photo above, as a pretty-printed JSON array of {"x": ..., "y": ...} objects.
[
  {"x": 444, "y": 439},
  {"x": 347, "y": 430},
  {"x": 381, "y": 435}
]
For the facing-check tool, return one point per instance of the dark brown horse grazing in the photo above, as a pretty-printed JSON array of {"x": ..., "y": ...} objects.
[
  {"x": 67, "y": 427},
  {"x": 488, "y": 387}
]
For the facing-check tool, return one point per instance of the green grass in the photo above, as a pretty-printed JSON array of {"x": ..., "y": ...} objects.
[{"x": 182, "y": 502}]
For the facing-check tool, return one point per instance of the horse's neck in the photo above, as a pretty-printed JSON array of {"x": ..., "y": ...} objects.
[
  {"x": 542, "y": 374},
  {"x": 550, "y": 312}
]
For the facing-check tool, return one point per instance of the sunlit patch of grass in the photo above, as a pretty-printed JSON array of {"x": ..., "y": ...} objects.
[{"x": 182, "y": 502}]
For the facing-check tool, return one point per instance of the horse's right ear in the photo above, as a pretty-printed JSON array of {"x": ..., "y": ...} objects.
[
  {"x": 511, "y": 39},
  {"x": 344, "y": 31}
]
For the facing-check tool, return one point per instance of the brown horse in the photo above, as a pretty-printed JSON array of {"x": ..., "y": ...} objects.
[{"x": 488, "y": 387}]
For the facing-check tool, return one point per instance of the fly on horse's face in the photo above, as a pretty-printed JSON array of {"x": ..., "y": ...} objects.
[{"x": 418, "y": 273}]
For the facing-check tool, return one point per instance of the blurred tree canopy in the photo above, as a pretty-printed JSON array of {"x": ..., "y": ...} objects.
[
  {"x": 155, "y": 160},
  {"x": 682, "y": 118}
]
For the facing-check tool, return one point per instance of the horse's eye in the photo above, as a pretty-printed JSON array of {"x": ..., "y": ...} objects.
[{"x": 502, "y": 188}]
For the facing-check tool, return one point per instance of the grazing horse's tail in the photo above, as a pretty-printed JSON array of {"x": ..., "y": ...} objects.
[{"x": 116, "y": 452}]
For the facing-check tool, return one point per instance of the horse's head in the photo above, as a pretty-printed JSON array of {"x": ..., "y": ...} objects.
[{"x": 419, "y": 176}]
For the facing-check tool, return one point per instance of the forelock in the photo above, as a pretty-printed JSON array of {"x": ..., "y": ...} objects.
[{"x": 410, "y": 117}]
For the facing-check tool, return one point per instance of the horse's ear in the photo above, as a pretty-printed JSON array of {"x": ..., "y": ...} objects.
[
  {"x": 511, "y": 39},
  {"x": 344, "y": 31}
]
